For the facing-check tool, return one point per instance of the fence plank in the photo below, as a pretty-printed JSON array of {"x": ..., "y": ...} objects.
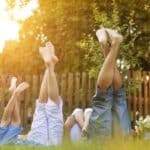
[
  {"x": 129, "y": 96},
  {"x": 34, "y": 91},
  {"x": 77, "y": 89},
  {"x": 135, "y": 98},
  {"x": 91, "y": 89},
  {"x": 27, "y": 105},
  {"x": 84, "y": 89},
  {"x": 63, "y": 89},
  {"x": 140, "y": 99},
  {"x": 3, "y": 90},
  {"x": 145, "y": 94},
  {"x": 70, "y": 92},
  {"x": 148, "y": 79}
]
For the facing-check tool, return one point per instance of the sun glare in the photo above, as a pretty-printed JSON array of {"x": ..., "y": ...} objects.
[{"x": 9, "y": 25}]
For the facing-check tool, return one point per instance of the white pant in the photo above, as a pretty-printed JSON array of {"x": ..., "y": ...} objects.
[
  {"x": 47, "y": 125},
  {"x": 75, "y": 132}
]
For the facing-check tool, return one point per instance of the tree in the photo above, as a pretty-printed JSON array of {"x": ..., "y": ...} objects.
[{"x": 120, "y": 15}]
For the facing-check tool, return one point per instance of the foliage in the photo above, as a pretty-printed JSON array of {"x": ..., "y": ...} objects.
[
  {"x": 142, "y": 126},
  {"x": 132, "y": 52},
  {"x": 65, "y": 23}
]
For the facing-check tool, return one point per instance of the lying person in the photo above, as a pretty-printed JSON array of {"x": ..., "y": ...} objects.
[
  {"x": 10, "y": 122},
  {"x": 109, "y": 99},
  {"x": 77, "y": 123},
  {"x": 47, "y": 124}
]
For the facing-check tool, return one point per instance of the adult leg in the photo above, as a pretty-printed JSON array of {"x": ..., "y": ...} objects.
[
  {"x": 117, "y": 80},
  {"x": 101, "y": 119},
  {"x": 121, "y": 121}
]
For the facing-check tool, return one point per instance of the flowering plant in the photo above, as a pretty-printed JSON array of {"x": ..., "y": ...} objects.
[{"x": 142, "y": 125}]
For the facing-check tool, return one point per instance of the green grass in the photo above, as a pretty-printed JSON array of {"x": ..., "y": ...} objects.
[{"x": 91, "y": 145}]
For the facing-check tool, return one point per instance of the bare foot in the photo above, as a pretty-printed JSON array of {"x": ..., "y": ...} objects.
[
  {"x": 114, "y": 35},
  {"x": 21, "y": 87},
  {"x": 50, "y": 46},
  {"x": 22, "y": 137},
  {"x": 13, "y": 84},
  {"x": 48, "y": 54},
  {"x": 102, "y": 36},
  {"x": 84, "y": 133}
]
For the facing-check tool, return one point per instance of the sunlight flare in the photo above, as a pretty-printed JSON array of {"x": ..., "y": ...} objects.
[{"x": 9, "y": 19}]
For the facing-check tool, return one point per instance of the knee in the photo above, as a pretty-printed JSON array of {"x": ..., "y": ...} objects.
[
  {"x": 77, "y": 110},
  {"x": 103, "y": 85},
  {"x": 87, "y": 111}
]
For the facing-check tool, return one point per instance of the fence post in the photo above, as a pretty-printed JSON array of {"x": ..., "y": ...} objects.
[
  {"x": 77, "y": 89},
  {"x": 34, "y": 91},
  {"x": 145, "y": 93},
  {"x": 63, "y": 89},
  {"x": 28, "y": 104},
  {"x": 129, "y": 97},
  {"x": 3, "y": 89},
  {"x": 84, "y": 89},
  {"x": 134, "y": 98},
  {"x": 70, "y": 92},
  {"x": 140, "y": 100}
]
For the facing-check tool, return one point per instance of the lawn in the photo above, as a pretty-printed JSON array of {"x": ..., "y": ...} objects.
[{"x": 117, "y": 144}]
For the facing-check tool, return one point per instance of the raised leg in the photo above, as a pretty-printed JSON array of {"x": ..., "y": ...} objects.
[
  {"x": 117, "y": 80},
  {"x": 121, "y": 121},
  {"x": 15, "y": 120},
  {"x": 7, "y": 115},
  {"x": 87, "y": 115},
  {"x": 106, "y": 75},
  {"x": 53, "y": 107},
  {"x": 74, "y": 124},
  {"x": 100, "y": 123},
  {"x": 43, "y": 95},
  {"x": 50, "y": 84}
]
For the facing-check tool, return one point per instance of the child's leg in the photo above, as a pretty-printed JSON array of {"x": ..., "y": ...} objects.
[
  {"x": 87, "y": 115},
  {"x": 74, "y": 124},
  {"x": 7, "y": 115},
  {"x": 101, "y": 119},
  {"x": 12, "y": 129},
  {"x": 69, "y": 123},
  {"x": 43, "y": 95},
  {"x": 39, "y": 127},
  {"x": 76, "y": 117},
  {"x": 79, "y": 117},
  {"x": 54, "y": 104},
  {"x": 15, "y": 120}
]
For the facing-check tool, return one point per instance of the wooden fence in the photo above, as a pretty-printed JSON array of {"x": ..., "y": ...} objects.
[{"x": 77, "y": 90}]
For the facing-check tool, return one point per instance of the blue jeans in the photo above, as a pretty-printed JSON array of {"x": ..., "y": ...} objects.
[
  {"x": 120, "y": 112},
  {"x": 106, "y": 105},
  {"x": 9, "y": 134}
]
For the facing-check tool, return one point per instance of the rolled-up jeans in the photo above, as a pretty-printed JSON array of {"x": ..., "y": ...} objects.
[
  {"x": 104, "y": 105},
  {"x": 121, "y": 120}
]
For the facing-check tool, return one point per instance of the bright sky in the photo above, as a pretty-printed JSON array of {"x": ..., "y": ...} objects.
[{"x": 9, "y": 26}]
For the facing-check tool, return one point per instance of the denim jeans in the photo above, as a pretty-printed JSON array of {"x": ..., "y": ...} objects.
[
  {"x": 105, "y": 105},
  {"x": 120, "y": 112}
]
